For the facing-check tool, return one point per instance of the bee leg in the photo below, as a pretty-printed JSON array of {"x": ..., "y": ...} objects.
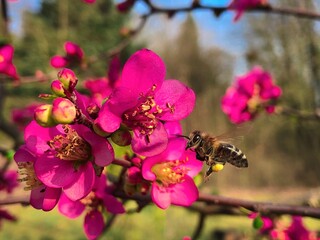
[
  {"x": 199, "y": 157},
  {"x": 207, "y": 174}
]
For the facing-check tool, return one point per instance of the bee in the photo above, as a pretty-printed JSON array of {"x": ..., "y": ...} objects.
[{"x": 215, "y": 151}]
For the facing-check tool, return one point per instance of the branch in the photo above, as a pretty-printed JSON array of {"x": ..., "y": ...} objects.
[
  {"x": 264, "y": 208},
  {"x": 298, "y": 114},
  {"x": 24, "y": 200},
  {"x": 199, "y": 227},
  {"x": 302, "y": 13}
]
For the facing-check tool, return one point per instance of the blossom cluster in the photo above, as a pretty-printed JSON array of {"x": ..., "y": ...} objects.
[
  {"x": 68, "y": 145},
  {"x": 276, "y": 229},
  {"x": 250, "y": 94}
]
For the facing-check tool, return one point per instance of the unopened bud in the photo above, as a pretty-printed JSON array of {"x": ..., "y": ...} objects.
[
  {"x": 63, "y": 111},
  {"x": 97, "y": 129},
  {"x": 68, "y": 79},
  {"x": 217, "y": 167},
  {"x": 57, "y": 88},
  {"x": 43, "y": 115},
  {"x": 121, "y": 137}
]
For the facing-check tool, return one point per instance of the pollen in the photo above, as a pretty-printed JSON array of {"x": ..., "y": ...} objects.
[
  {"x": 170, "y": 172},
  {"x": 70, "y": 146},
  {"x": 27, "y": 174}
]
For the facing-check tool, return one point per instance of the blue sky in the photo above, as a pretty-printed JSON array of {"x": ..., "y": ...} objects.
[{"x": 221, "y": 32}]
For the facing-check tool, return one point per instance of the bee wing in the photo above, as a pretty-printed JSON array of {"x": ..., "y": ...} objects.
[{"x": 234, "y": 134}]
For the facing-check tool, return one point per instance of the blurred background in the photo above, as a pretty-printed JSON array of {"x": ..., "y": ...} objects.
[{"x": 206, "y": 53}]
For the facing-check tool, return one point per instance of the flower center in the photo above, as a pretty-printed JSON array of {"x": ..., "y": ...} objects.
[
  {"x": 26, "y": 171},
  {"x": 70, "y": 146},
  {"x": 91, "y": 201},
  {"x": 1, "y": 58},
  {"x": 170, "y": 172},
  {"x": 145, "y": 116},
  {"x": 255, "y": 101}
]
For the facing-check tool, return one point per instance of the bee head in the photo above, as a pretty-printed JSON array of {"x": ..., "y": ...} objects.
[{"x": 194, "y": 140}]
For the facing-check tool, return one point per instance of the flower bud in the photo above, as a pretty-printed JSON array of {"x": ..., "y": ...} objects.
[
  {"x": 97, "y": 129},
  {"x": 57, "y": 88},
  {"x": 68, "y": 79},
  {"x": 63, "y": 111},
  {"x": 43, "y": 115},
  {"x": 217, "y": 167},
  {"x": 121, "y": 137}
]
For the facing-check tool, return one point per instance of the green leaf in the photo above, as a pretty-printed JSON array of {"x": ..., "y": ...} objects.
[{"x": 257, "y": 223}]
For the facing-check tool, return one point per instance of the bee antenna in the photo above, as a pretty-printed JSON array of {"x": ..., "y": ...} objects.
[{"x": 179, "y": 135}]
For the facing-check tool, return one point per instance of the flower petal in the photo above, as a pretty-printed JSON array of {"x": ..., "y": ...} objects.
[
  {"x": 23, "y": 155},
  {"x": 112, "y": 204},
  {"x": 58, "y": 62},
  {"x": 69, "y": 208},
  {"x": 160, "y": 196},
  {"x": 178, "y": 96},
  {"x": 83, "y": 185},
  {"x": 51, "y": 198},
  {"x": 101, "y": 148},
  {"x": 158, "y": 141},
  {"x": 142, "y": 71},
  {"x": 54, "y": 172},
  {"x": 93, "y": 224},
  {"x": 119, "y": 101},
  {"x": 185, "y": 193}
]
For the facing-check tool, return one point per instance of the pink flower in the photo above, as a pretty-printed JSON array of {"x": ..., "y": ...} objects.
[
  {"x": 171, "y": 175},
  {"x": 143, "y": 101},
  {"x": 6, "y": 65},
  {"x": 99, "y": 199},
  {"x": 249, "y": 94},
  {"x": 296, "y": 231},
  {"x": 242, "y": 5},
  {"x": 41, "y": 197},
  {"x": 66, "y": 156},
  {"x": 74, "y": 55},
  {"x": 268, "y": 224},
  {"x": 22, "y": 116},
  {"x": 8, "y": 181}
]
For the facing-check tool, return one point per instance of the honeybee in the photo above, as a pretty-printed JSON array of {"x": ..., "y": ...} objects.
[{"x": 215, "y": 151}]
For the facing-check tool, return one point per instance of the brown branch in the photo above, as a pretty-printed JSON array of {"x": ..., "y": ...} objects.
[
  {"x": 24, "y": 200},
  {"x": 122, "y": 162},
  {"x": 264, "y": 208},
  {"x": 315, "y": 116},
  {"x": 200, "y": 225},
  {"x": 302, "y": 13}
]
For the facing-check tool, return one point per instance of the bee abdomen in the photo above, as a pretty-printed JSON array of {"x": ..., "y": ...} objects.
[{"x": 232, "y": 155}]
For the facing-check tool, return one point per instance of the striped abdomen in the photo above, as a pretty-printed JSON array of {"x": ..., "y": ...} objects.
[{"x": 228, "y": 153}]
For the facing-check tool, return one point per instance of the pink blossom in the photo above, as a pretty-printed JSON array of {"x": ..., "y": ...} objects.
[
  {"x": 8, "y": 181},
  {"x": 296, "y": 231},
  {"x": 74, "y": 55},
  {"x": 22, "y": 116},
  {"x": 171, "y": 175},
  {"x": 41, "y": 197},
  {"x": 242, "y": 5},
  {"x": 249, "y": 94},
  {"x": 6, "y": 65},
  {"x": 66, "y": 156},
  {"x": 143, "y": 101},
  {"x": 99, "y": 199}
]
